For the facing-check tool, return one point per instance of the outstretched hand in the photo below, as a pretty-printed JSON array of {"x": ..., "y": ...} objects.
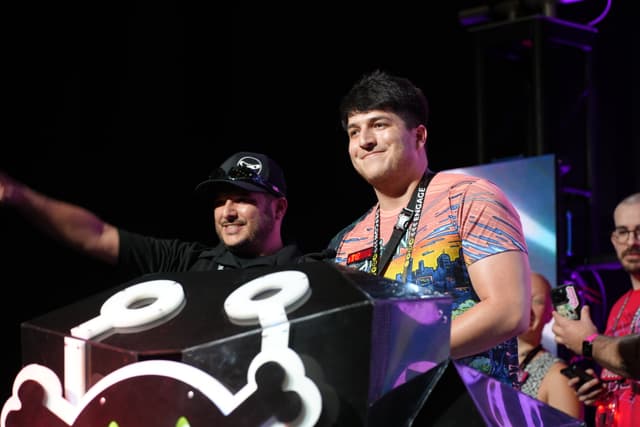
[
  {"x": 570, "y": 332},
  {"x": 9, "y": 189},
  {"x": 5, "y": 187}
]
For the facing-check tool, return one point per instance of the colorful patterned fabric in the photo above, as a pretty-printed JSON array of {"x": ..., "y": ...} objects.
[
  {"x": 464, "y": 219},
  {"x": 537, "y": 369}
]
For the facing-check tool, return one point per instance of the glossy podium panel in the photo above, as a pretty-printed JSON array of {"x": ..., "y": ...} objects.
[
  {"x": 457, "y": 395},
  {"x": 315, "y": 344}
]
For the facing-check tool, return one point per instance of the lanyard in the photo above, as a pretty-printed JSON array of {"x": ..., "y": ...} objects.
[
  {"x": 522, "y": 374},
  {"x": 624, "y": 305},
  {"x": 530, "y": 356},
  {"x": 408, "y": 216}
]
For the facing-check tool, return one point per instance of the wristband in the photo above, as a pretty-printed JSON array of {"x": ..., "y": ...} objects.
[{"x": 587, "y": 345}]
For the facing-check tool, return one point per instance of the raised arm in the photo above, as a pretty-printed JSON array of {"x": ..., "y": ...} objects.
[
  {"x": 68, "y": 223},
  {"x": 502, "y": 282}
]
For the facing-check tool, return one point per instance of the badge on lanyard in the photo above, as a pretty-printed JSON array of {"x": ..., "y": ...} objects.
[{"x": 360, "y": 255}]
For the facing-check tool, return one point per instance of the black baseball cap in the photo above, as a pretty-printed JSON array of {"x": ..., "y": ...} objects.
[{"x": 246, "y": 170}]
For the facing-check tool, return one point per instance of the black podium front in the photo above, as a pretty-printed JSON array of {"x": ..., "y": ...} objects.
[{"x": 315, "y": 344}]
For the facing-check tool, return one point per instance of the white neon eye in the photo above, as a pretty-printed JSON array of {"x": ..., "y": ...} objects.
[{"x": 285, "y": 289}]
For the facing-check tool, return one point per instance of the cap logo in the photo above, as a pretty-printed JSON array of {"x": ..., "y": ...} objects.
[{"x": 250, "y": 163}]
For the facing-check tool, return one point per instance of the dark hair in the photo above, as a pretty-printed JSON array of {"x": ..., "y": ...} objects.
[{"x": 381, "y": 91}]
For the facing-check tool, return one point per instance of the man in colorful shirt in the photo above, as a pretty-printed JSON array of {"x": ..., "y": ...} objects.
[{"x": 456, "y": 234}]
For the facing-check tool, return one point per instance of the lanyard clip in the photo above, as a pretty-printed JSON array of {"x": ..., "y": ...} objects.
[{"x": 404, "y": 219}]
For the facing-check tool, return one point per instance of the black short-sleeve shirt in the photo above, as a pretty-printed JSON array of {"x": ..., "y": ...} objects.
[{"x": 141, "y": 254}]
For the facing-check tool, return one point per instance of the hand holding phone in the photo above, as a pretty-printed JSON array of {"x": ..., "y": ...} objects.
[
  {"x": 566, "y": 301},
  {"x": 573, "y": 371}
]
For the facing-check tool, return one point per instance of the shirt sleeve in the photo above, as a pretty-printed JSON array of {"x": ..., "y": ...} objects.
[
  {"x": 488, "y": 221},
  {"x": 143, "y": 254}
]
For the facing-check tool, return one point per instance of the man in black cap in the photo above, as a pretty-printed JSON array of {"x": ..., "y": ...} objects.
[{"x": 248, "y": 195}]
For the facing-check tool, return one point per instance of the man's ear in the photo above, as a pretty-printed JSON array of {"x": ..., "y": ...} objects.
[
  {"x": 281, "y": 207},
  {"x": 421, "y": 135}
]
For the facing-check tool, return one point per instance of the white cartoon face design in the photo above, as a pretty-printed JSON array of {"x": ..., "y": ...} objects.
[{"x": 170, "y": 393}]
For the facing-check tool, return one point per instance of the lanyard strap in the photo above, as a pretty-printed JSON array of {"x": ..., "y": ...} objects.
[
  {"x": 530, "y": 356},
  {"x": 624, "y": 305},
  {"x": 408, "y": 216},
  {"x": 522, "y": 374}
]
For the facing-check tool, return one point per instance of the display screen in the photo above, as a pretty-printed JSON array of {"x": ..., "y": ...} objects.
[{"x": 530, "y": 184}]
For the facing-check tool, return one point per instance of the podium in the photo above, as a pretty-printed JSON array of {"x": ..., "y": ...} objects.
[{"x": 312, "y": 345}]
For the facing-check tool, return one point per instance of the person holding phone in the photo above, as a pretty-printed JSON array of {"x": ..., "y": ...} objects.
[
  {"x": 618, "y": 399},
  {"x": 540, "y": 372},
  {"x": 452, "y": 233}
]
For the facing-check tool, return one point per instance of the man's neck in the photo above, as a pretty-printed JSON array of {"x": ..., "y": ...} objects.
[
  {"x": 272, "y": 248},
  {"x": 247, "y": 252},
  {"x": 394, "y": 197}
]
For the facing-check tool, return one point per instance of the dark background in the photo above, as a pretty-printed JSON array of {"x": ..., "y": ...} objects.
[{"x": 124, "y": 109}]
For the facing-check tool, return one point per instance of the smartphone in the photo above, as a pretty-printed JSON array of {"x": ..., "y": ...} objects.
[
  {"x": 574, "y": 370},
  {"x": 566, "y": 301}
]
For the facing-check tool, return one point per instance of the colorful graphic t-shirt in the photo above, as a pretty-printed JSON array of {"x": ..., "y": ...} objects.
[{"x": 463, "y": 219}]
